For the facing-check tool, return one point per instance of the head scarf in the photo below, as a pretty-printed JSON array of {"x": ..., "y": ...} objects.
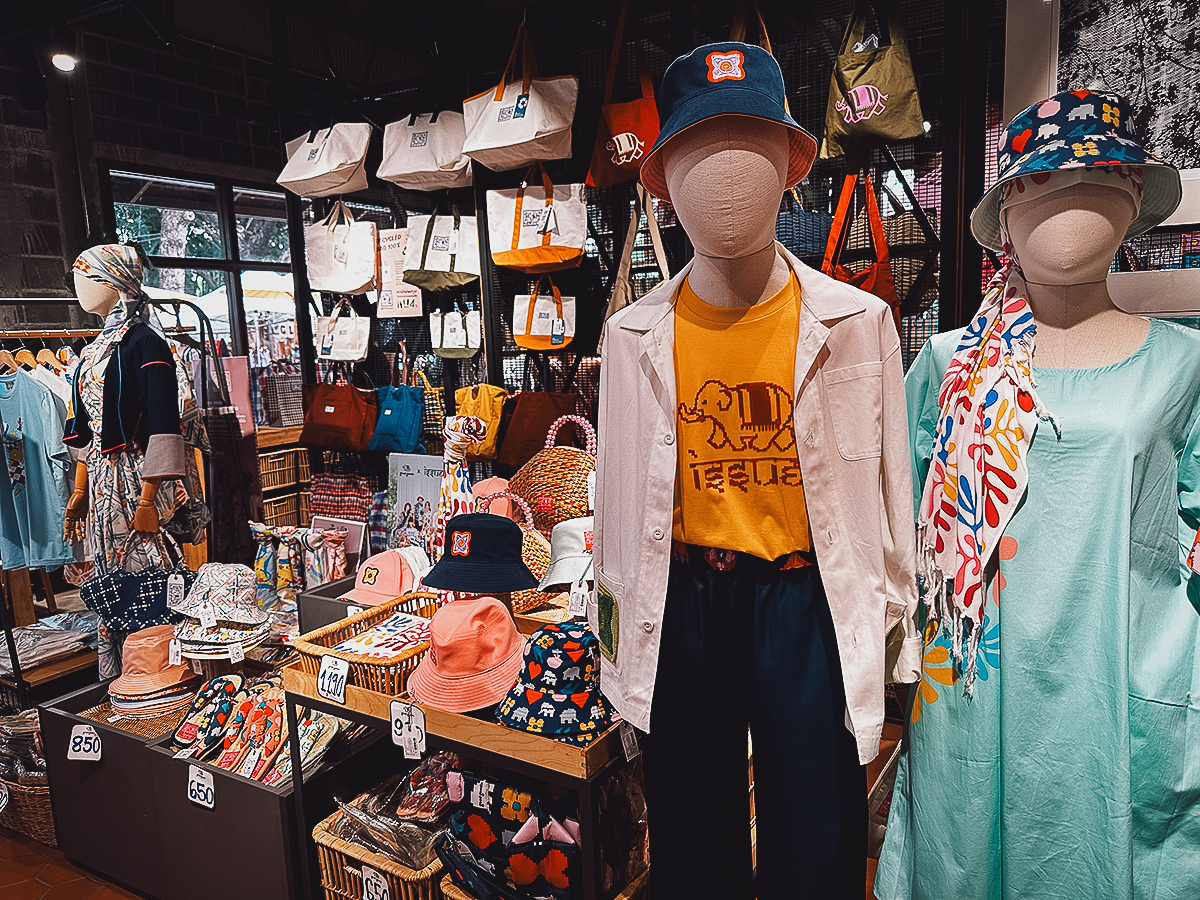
[{"x": 116, "y": 265}]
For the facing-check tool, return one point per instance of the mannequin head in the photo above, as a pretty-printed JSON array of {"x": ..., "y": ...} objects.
[
  {"x": 105, "y": 273},
  {"x": 95, "y": 297},
  {"x": 725, "y": 176},
  {"x": 1069, "y": 236}
]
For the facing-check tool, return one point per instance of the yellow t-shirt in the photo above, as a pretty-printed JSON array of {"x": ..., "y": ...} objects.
[{"x": 738, "y": 486}]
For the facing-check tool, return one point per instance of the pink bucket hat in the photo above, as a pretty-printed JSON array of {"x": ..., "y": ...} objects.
[{"x": 145, "y": 666}]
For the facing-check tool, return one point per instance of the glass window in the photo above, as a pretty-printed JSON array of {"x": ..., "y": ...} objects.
[
  {"x": 204, "y": 287},
  {"x": 270, "y": 306},
  {"x": 261, "y": 225},
  {"x": 168, "y": 216}
]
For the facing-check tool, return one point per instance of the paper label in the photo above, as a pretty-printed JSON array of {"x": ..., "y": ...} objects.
[
  {"x": 454, "y": 241},
  {"x": 200, "y": 787},
  {"x": 175, "y": 590},
  {"x": 331, "y": 681},
  {"x": 3, "y": 796},
  {"x": 353, "y": 610},
  {"x": 236, "y": 653},
  {"x": 629, "y": 741},
  {"x": 208, "y": 617},
  {"x": 558, "y": 330},
  {"x": 330, "y": 409},
  {"x": 408, "y": 728},
  {"x": 591, "y": 491},
  {"x": 197, "y": 667},
  {"x": 249, "y": 763},
  {"x": 185, "y": 753},
  {"x": 374, "y": 885},
  {"x": 85, "y": 743},
  {"x": 549, "y": 221},
  {"x": 175, "y": 653},
  {"x": 578, "y": 603},
  {"x": 339, "y": 252},
  {"x": 522, "y": 105}
]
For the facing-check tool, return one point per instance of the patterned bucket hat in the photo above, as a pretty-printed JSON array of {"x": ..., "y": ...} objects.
[
  {"x": 1076, "y": 130},
  {"x": 229, "y": 589},
  {"x": 558, "y": 693}
]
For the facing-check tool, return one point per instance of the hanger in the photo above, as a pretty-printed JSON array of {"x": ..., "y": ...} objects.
[
  {"x": 25, "y": 358},
  {"x": 47, "y": 358},
  {"x": 7, "y": 361}
]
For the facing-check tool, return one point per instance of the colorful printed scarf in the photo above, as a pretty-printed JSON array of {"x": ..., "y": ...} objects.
[{"x": 116, "y": 265}]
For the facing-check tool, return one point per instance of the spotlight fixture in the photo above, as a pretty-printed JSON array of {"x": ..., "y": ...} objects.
[
  {"x": 62, "y": 49},
  {"x": 64, "y": 62}
]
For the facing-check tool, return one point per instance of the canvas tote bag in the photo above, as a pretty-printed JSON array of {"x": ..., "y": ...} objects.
[
  {"x": 342, "y": 254},
  {"x": 425, "y": 152},
  {"x": 542, "y": 322},
  {"x": 538, "y": 227},
  {"x": 521, "y": 122},
  {"x": 456, "y": 334},
  {"x": 627, "y": 130},
  {"x": 623, "y": 292},
  {"x": 343, "y": 338},
  {"x": 442, "y": 252},
  {"x": 872, "y": 94},
  {"x": 877, "y": 277},
  {"x": 328, "y": 161}
]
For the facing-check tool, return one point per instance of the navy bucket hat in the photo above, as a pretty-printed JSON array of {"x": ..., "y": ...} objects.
[{"x": 724, "y": 79}]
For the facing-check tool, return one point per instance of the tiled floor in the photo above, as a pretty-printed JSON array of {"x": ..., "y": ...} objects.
[{"x": 33, "y": 871}]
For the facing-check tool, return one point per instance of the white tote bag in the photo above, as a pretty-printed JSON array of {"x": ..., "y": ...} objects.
[
  {"x": 456, "y": 334},
  {"x": 543, "y": 321},
  {"x": 343, "y": 337},
  {"x": 538, "y": 227},
  {"x": 521, "y": 122},
  {"x": 343, "y": 254},
  {"x": 425, "y": 152},
  {"x": 328, "y": 161},
  {"x": 442, "y": 252}
]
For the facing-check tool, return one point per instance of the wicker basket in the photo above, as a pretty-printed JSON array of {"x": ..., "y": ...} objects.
[
  {"x": 341, "y": 869},
  {"x": 305, "y": 509},
  {"x": 29, "y": 812},
  {"x": 387, "y": 676},
  {"x": 278, "y": 470},
  {"x": 555, "y": 481},
  {"x": 303, "y": 472},
  {"x": 535, "y": 552},
  {"x": 635, "y": 891},
  {"x": 281, "y": 510}
]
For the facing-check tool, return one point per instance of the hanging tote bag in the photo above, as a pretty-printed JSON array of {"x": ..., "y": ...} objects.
[
  {"x": 542, "y": 322},
  {"x": 623, "y": 292},
  {"x": 343, "y": 338},
  {"x": 535, "y": 550},
  {"x": 326, "y": 162},
  {"x": 442, "y": 252},
  {"x": 872, "y": 94},
  {"x": 425, "y": 152},
  {"x": 401, "y": 407},
  {"x": 804, "y": 232},
  {"x": 538, "y": 227},
  {"x": 433, "y": 419},
  {"x": 877, "y": 277},
  {"x": 627, "y": 130},
  {"x": 129, "y": 601},
  {"x": 283, "y": 396},
  {"x": 485, "y": 402},
  {"x": 521, "y": 122},
  {"x": 342, "y": 254},
  {"x": 456, "y": 334},
  {"x": 530, "y": 414},
  {"x": 339, "y": 417},
  {"x": 558, "y": 483}
]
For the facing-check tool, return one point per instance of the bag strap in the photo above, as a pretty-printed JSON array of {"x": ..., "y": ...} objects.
[
  {"x": 615, "y": 56},
  {"x": 737, "y": 31},
  {"x": 660, "y": 254},
  {"x": 833, "y": 246},
  {"x": 548, "y": 190},
  {"x": 581, "y": 423},
  {"x": 878, "y": 236},
  {"x": 483, "y": 503},
  {"x": 533, "y": 298},
  {"x": 399, "y": 373},
  {"x": 528, "y": 64}
]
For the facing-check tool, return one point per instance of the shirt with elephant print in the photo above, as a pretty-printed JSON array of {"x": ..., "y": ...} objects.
[{"x": 739, "y": 485}]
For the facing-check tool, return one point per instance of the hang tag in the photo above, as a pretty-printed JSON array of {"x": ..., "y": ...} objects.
[
  {"x": 351, "y": 609},
  {"x": 629, "y": 741},
  {"x": 549, "y": 221},
  {"x": 236, "y": 652},
  {"x": 339, "y": 253},
  {"x": 558, "y": 331},
  {"x": 185, "y": 753},
  {"x": 331, "y": 681},
  {"x": 408, "y": 728},
  {"x": 375, "y": 886},
  {"x": 208, "y": 616},
  {"x": 85, "y": 743},
  {"x": 327, "y": 348},
  {"x": 197, "y": 667},
  {"x": 578, "y": 603},
  {"x": 175, "y": 590},
  {"x": 591, "y": 488},
  {"x": 250, "y": 762},
  {"x": 3, "y": 796},
  {"x": 454, "y": 241},
  {"x": 200, "y": 787},
  {"x": 522, "y": 105},
  {"x": 175, "y": 653}
]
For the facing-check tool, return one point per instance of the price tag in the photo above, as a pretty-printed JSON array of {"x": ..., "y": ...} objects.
[
  {"x": 197, "y": 667},
  {"x": 175, "y": 653},
  {"x": 351, "y": 609},
  {"x": 558, "y": 331},
  {"x": 331, "y": 681},
  {"x": 3, "y": 796},
  {"x": 174, "y": 590},
  {"x": 629, "y": 741},
  {"x": 453, "y": 248},
  {"x": 208, "y": 616},
  {"x": 200, "y": 787},
  {"x": 251, "y": 761},
  {"x": 85, "y": 743},
  {"x": 591, "y": 490},
  {"x": 520, "y": 107},
  {"x": 185, "y": 753},
  {"x": 408, "y": 728},
  {"x": 578, "y": 602},
  {"x": 374, "y": 885},
  {"x": 236, "y": 653}
]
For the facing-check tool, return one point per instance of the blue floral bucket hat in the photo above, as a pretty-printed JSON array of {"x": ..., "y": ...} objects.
[{"x": 1076, "y": 130}]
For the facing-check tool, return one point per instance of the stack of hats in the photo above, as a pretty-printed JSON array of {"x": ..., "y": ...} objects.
[
  {"x": 558, "y": 691},
  {"x": 221, "y": 611},
  {"x": 149, "y": 685}
]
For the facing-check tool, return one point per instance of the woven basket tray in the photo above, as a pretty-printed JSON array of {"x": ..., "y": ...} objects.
[
  {"x": 28, "y": 811},
  {"x": 151, "y": 729},
  {"x": 387, "y": 676},
  {"x": 341, "y": 869}
]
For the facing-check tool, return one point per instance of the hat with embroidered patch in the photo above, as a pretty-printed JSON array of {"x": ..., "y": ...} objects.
[
  {"x": 725, "y": 79},
  {"x": 570, "y": 552},
  {"x": 482, "y": 555},
  {"x": 1076, "y": 130},
  {"x": 382, "y": 577}
]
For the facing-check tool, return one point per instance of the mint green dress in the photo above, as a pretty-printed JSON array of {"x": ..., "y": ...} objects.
[{"x": 1074, "y": 772}]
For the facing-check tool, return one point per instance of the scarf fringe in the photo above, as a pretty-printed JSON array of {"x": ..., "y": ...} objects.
[{"x": 954, "y": 623}]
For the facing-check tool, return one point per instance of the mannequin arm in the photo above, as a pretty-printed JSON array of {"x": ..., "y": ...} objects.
[
  {"x": 77, "y": 506},
  {"x": 145, "y": 519}
]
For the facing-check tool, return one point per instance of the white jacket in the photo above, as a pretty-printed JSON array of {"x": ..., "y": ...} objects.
[{"x": 852, "y": 441}]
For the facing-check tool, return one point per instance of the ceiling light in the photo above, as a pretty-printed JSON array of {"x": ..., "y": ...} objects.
[
  {"x": 62, "y": 49},
  {"x": 64, "y": 62}
]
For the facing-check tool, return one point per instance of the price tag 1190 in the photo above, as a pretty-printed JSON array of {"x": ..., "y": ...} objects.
[
  {"x": 200, "y": 787},
  {"x": 85, "y": 743},
  {"x": 375, "y": 886},
  {"x": 331, "y": 681},
  {"x": 408, "y": 728}
]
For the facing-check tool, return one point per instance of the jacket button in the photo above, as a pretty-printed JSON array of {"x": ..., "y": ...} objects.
[
  {"x": 668, "y": 439},
  {"x": 647, "y": 626},
  {"x": 658, "y": 534},
  {"x": 831, "y": 537}
]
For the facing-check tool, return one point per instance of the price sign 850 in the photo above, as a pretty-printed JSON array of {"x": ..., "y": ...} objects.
[{"x": 85, "y": 743}]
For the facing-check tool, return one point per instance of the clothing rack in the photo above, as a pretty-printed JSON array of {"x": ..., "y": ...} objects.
[{"x": 73, "y": 333}]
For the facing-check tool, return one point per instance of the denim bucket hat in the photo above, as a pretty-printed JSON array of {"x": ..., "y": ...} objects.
[
  {"x": 728, "y": 78},
  {"x": 1076, "y": 130},
  {"x": 483, "y": 555}
]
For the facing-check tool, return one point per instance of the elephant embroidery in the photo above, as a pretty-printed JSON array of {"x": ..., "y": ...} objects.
[
  {"x": 568, "y": 717},
  {"x": 861, "y": 103},
  {"x": 521, "y": 715},
  {"x": 754, "y": 415}
]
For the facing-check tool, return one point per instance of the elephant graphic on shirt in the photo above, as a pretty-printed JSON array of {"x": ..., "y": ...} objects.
[{"x": 754, "y": 415}]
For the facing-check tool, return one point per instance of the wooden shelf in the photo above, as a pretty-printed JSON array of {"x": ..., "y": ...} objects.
[
  {"x": 278, "y": 437},
  {"x": 56, "y": 669}
]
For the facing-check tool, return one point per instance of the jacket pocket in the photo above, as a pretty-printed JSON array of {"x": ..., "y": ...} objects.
[
  {"x": 605, "y": 619},
  {"x": 855, "y": 396}
]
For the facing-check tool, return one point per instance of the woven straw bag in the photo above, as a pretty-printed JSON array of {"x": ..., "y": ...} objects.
[
  {"x": 535, "y": 551},
  {"x": 556, "y": 481}
]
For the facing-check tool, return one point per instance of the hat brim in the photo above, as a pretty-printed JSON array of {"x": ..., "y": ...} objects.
[
  {"x": 451, "y": 574},
  {"x": 565, "y": 570},
  {"x": 156, "y": 681},
  {"x": 745, "y": 102},
  {"x": 1162, "y": 190},
  {"x": 366, "y": 597},
  {"x": 465, "y": 692}
]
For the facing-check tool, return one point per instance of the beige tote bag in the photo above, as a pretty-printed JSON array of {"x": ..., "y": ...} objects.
[{"x": 327, "y": 162}]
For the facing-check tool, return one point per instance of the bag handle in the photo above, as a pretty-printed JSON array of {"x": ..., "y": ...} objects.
[
  {"x": 737, "y": 32},
  {"x": 399, "y": 373},
  {"x": 840, "y": 226},
  {"x": 482, "y": 504},
  {"x": 615, "y": 56},
  {"x": 429, "y": 232},
  {"x": 528, "y": 64},
  {"x": 338, "y": 213},
  {"x": 548, "y": 191},
  {"x": 533, "y": 298},
  {"x": 891, "y": 20},
  {"x": 581, "y": 423}
]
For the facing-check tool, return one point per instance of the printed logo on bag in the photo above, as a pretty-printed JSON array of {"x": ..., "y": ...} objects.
[
  {"x": 544, "y": 314},
  {"x": 314, "y": 153},
  {"x": 587, "y": 541},
  {"x": 505, "y": 115},
  {"x": 861, "y": 103},
  {"x": 370, "y": 573},
  {"x": 461, "y": 544},
  {"x": 531, "y": 218},
  {"x": 627, "y": 147},
  {"x": 419, "y": 139},
  {"x": 440, "y": 242},
  {"x": 722, "y": 66}
]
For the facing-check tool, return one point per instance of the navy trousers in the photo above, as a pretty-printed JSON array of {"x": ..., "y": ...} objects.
[{"x": 752, "y": 647}]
